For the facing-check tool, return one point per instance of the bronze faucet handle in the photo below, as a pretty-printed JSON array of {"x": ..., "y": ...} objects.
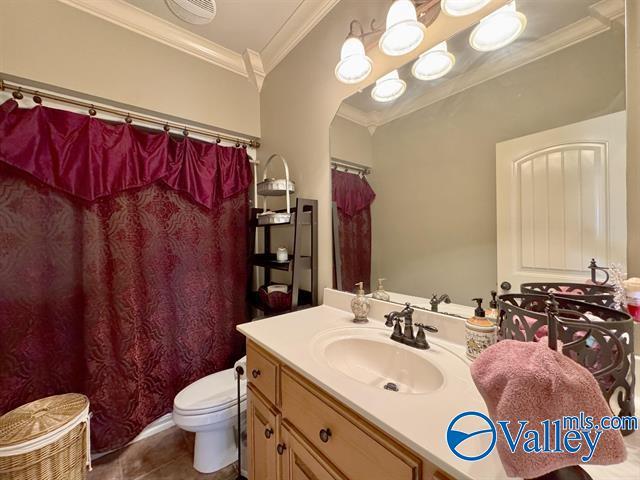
[
  {"x": 421, "y": 338},
  {"x": 428, "y": 328}
]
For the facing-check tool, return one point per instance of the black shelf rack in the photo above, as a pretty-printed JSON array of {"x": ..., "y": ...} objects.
[{"x": 303, "y": 215}]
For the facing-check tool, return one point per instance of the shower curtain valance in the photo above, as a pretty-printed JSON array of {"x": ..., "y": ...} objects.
[
  {"x": 351, "y": 192},
  {"x": 90, "y": 158}
]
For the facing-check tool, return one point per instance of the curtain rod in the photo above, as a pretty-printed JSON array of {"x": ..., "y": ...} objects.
[
  {"x": 18, "y": 92},
  {"x": 343, "y": 164}
]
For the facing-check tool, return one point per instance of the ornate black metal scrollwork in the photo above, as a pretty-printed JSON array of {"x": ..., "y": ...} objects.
[
  {"x": 602, "y": 295},
  {"x": 598, "y": 338}
]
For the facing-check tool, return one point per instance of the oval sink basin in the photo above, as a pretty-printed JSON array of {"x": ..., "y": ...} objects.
[{"x": 377, "y": 361}]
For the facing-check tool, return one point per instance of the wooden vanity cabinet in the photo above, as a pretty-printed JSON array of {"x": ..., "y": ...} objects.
[{"x": 296, "y": 431}]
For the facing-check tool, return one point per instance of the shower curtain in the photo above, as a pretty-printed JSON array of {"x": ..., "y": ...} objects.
[
  {"x": 353, "y": 196},
  {"x": 123, "y": 265}
]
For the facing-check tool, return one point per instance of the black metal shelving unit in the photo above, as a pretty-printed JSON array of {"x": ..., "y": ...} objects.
[{"x": 303, "y": 215}]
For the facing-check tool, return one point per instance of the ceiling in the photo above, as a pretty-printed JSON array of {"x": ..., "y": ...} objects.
[
  {"x": 238, "y": 24},
  {"x": 552, "y": 25}
]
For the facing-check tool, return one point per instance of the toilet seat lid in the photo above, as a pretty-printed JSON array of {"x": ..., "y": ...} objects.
[{"x": 210, "y": 394}]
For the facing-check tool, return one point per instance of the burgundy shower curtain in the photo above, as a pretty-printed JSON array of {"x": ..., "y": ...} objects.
[
  {"x": 353, "y": 197},
  {"x": 123, "y": 268}
]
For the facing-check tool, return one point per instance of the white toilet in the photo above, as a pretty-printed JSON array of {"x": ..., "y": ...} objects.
[{"x": 209, "y": 407}]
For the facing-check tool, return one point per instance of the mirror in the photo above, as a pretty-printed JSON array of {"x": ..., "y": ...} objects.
[{"x": 509, "y": 168}]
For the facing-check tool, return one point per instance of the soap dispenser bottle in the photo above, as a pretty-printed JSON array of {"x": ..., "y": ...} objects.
[
  {"x": 492, "y": 312},
  {"x": 360, "y": 305},
  {"x": 480, "y": 332},
  {"x": 380, "y": 293}
]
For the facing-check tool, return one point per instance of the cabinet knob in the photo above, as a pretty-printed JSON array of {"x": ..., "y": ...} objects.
[
  {"x": 268, "y": 432},
  {"x": 255, "y": 373},
  {"x": 281, "y": 448},
  {"x": 325, "y": 434}
]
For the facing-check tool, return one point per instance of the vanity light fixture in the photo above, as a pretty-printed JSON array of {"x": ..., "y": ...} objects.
[
  {"x": 498, "y": 29},
  {"x": 460, "y": 8},
  {"x": 388, "y": 87},
  {"x": 434, "y": 63},
  {"x": 354, "y": 65},
  {"x": 404, "y": 32}
]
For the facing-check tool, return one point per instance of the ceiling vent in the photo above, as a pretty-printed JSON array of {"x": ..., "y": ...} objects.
[{"x": 196, "y": 12}]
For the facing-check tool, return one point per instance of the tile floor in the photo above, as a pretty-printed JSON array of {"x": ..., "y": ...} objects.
[{"x": 165, "y": 456}]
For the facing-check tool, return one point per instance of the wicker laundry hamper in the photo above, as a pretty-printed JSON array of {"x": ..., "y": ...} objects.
[{"x": 47, "y": 439}]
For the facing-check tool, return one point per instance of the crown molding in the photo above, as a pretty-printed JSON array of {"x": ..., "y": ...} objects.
[
  {"x": 254, "y": 67},
  {"x": 505, "y": 61},
  {"x": 250, "y": 64},
  {"x": 298, "y": 25},
  {"x": 144, "y": 23},
  {"x": 607, "y": 10},
  {"x": 370, "y": 120}
]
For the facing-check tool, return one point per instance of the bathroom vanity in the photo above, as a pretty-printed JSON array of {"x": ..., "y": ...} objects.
[
  {"x": 298, "y": 431},
  {"x": 318, "y": 407}
]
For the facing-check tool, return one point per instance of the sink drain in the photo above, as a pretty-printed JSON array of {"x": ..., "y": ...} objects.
[{"x": 391, "y": 386}]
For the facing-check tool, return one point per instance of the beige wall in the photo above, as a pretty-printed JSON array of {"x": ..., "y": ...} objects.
[
  {"x": 434, "y": 218},
  {"x": 49, "y": 42},
  {"x": 633, "y": 136},
  {"x": 295, "y": 121},
  {"x": 351, "y": 142}
]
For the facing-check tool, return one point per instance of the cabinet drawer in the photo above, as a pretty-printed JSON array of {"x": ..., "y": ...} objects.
[
  {"x": 262, "y": 373},
  {"x": 358, "y": 450}
]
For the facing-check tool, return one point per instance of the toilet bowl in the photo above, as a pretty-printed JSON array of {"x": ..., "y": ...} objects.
[{"x": 209, "y": 407}]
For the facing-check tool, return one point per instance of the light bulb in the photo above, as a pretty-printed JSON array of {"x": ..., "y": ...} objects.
[
  {"x": 460, "y": 8},
  {"x": 498, "y": 29},
  {"x": 434, "y": 63},
  {"x": 354, "y": 66},
  {"x": 388, "y": 88},
  {"x": 404, "y": 32}
]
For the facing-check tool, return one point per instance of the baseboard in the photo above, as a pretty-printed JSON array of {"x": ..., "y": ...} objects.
[{"x": 158, "y": 425}]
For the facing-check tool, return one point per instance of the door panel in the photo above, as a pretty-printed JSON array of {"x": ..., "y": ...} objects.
[
  {"x": 262, "y": 430},
  {"x": 561, "y": 201}
]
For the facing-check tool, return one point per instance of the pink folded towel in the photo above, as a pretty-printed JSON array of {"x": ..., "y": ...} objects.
[{"x": 529, "y": 381}]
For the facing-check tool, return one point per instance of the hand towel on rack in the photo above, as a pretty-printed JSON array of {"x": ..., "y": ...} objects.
[{"x": 529, "y": 381}]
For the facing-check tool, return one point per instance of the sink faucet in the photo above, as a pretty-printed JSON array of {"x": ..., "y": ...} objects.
[
  {"x": 435, "y": 301},
  {"x": 407, "y": 337}
]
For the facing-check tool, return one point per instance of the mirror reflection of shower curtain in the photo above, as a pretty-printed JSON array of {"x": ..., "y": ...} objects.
[{"x": 352, "y": 198}]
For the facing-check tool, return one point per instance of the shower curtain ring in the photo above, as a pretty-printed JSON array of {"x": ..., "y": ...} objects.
[
  {"x": 166, "y": 127},
  {"x": 218, "y": 140},
  {"x": 92, "y": 111},
  {"x": 128, "y": 119},
  {"x": 17, "y": 94},
  {"x": 185, "y": 132},
  {"x": 37, "y": 99}
]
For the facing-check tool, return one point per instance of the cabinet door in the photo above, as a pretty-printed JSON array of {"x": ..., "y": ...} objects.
[
  {"x": 301, "y": 462},
  {"x": 263, "y": 433}
]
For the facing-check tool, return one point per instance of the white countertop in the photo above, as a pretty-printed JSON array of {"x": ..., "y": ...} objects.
[{"x": 418, "y": 421}]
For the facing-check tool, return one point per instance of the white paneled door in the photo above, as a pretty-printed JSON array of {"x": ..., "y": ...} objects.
[{"x": 561, "y": 200}]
